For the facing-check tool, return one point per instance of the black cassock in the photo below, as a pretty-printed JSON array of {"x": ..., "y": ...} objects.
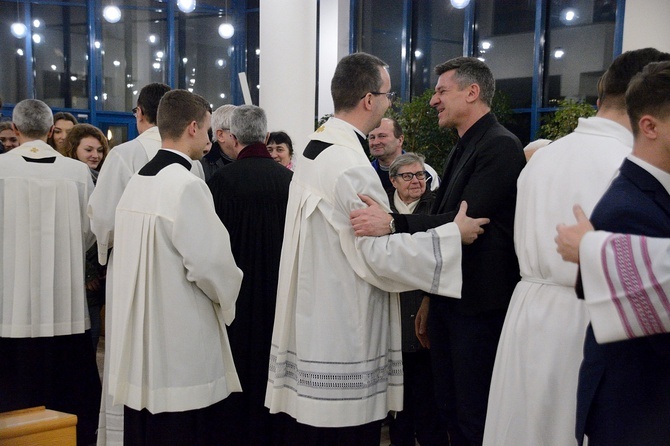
[{"x": 250, "y": 197}]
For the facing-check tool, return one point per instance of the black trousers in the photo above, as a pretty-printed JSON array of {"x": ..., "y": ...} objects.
[
  {"x": 418, "y": 419},
  {"x": 292, "y": 433},
  {"x": 463, "y": 350},
  {"x": 199, "y": 427}
]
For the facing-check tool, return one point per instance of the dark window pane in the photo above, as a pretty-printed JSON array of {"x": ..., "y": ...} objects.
[
  {"x": 437, "y": 36},
  {"x": 60, "y": 52},
  {"x": 579, "y": 48},
  {"x": 507, "y": 48},
  {"x": 133, "y": 53},
  {"x": 381, "y": 35},
  {"x": 12, "y": 55}
]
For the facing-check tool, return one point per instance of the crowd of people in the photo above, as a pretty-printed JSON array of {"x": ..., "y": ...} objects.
[{"x": 257, "y": 295}]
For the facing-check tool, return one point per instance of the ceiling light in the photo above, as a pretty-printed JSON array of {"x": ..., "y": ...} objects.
[
  {"x": 226, "y": 30},
  {"x": 111, "y": 13},
  {"x": 186, "y": 5},
  {"x": 19, "y": 30},
  {"x": 459, "y": 4},
  {"x": 559, "y": 53}
]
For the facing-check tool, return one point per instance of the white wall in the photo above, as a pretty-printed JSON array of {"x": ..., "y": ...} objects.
[
  {"x": 333, "y": 45},
  {"x": 288, "y": 66},
  {"x": 646, "y": 25}
]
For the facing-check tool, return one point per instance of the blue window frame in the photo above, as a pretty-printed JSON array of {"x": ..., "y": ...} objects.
[{"x": 520, "y": 41}]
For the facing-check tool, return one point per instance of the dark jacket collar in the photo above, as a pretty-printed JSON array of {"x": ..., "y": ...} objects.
[
  {"x": 255, "y": 150},
  {"x": 477, "y": 128}
]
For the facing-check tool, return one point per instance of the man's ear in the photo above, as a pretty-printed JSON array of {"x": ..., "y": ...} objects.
[
  {"x": 192, "y": 128},
  {"x": 473, "y": 92},
  {"x": 367, "y": 101},
  {"x": 647, "y": 126}
]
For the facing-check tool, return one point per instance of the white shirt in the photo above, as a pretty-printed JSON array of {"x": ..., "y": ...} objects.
[{"x": 45, "y": 233}]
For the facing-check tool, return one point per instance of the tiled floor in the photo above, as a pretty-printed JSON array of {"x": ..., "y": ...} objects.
[{"x": 100, "y": 357}]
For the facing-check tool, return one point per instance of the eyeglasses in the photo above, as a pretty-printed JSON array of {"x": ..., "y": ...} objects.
[
  {"x": 407, "y": 176},
  {"x": 134, "y": 110},
  {"x": 390, "y": 95}
]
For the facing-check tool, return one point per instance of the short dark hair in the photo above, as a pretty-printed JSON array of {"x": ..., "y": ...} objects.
[
  {"x": 249, "y": 124},
  {"x": 355, "y": 76},
  {"x": 149, "y": 98},
  {"x": 613, "y": 84},
  {"x": 81, "y": 131},
  {"x": 470, "y": 70},
  {"x": 649, "y": 94},
  {"x": 65, "y": 116},
  {"x": 397, "y": 129},
  {"x": 177, "y": 109},
  {"x": 281, "y": 138}
]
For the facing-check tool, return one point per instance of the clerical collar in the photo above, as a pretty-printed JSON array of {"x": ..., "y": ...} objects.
[
  {"x": 483, "y": 123},
  {"x": 255, "y": 150},
  {"x": 182, "y": 154}
]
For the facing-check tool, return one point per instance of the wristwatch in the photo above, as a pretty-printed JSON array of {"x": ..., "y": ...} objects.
[{"x": 392, "y": 225}]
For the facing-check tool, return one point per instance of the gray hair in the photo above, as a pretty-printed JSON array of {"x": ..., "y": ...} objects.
[
  {"x": 249, "y": 124},
  {"x": 221, "y": 118},
  {"x": 33, "y": 118},
  {"x": 470, "y": 70},
  {"x": 405, "y": 160}
]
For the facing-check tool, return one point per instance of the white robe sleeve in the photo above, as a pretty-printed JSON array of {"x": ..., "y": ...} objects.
[
  {"x": 430, "y": 261},
  {"x": 112, "y": 181},
  {"x": 626, "y": 282},
  {"x": 204, "y": 244}
]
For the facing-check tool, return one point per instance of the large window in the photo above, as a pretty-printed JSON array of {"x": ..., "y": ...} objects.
[
  {"x": 56, "y": 43},
  {"x": 133, "y": 52},
  {"x": 153, "y": 41},
  {"x": 539, "y": 50}
]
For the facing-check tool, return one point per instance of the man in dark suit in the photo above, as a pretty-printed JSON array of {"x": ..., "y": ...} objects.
[
  {"x": 624, "y": 387},
  {"x": 482, "y": 169}
]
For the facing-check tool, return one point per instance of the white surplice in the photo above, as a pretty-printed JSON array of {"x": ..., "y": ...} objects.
[
  {"x": 336, "y": 355},
  {"x": 532, "y": 400},
  {"x": 120, "y": 165},
  {"x": 175, "y": 286},
  {"x": 45, "y": 233}
]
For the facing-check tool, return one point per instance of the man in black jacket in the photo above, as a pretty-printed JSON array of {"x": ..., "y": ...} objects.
[{"x": 482, "y": 169}]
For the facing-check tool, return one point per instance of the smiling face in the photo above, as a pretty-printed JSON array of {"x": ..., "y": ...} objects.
[
  {"x": 383, "y": 144},
  {"x": 9, "y": 139},
  {"x": 409, "y": 191},
  {"x": 90, "y": 151},
  {"x": 279, "y": 153},
  {"x": 61, "y": 128},
  {"x": 450, "y": 101}
]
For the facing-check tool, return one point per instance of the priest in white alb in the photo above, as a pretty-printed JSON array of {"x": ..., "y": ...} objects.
[
  {"x": 336, "y": 360},
  {"x": 46, "y": 357}
]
